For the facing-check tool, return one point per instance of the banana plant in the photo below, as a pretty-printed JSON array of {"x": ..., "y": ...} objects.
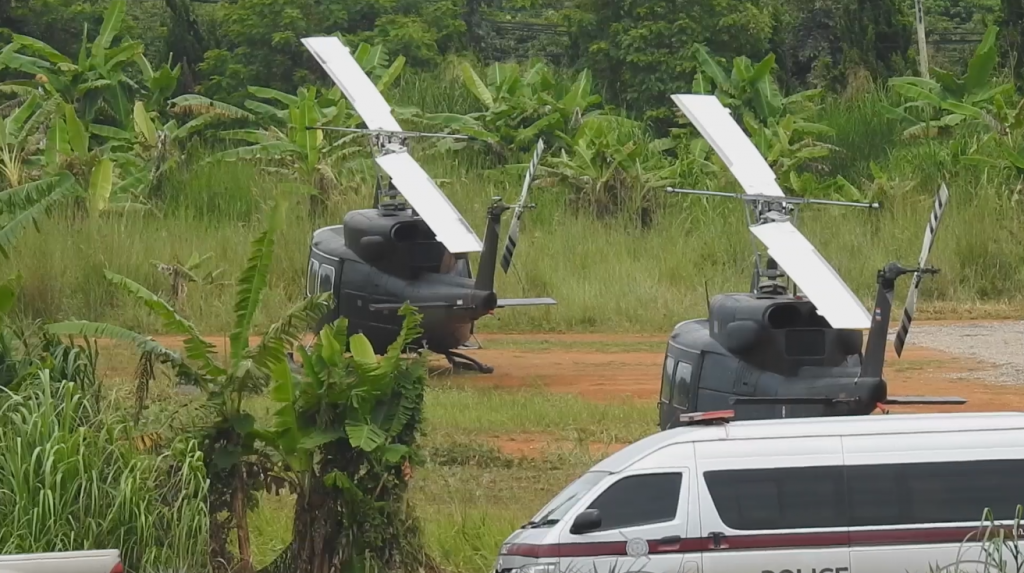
[
  {"x": 749, "y": 87},
  {"x": 289, "y": 142},
  {"x": 22, "y": 137},
  {"x": 524, "y": 104},
  {"x": 234, "y": 463},
  {"x": 787, "y": 143},
  {"x": 344, "y": 429},
  {"x": 181, "y": 275},
  {"x": 779, "y": 125},
  {"x": 97, "y": 84},
  {"x": 949, "y": 101},
  {"x": 612, "y": 166}
]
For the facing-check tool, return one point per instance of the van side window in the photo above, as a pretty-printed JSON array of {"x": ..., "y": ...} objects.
[
  {"x": 326, "y": 278},
  {"x": 934, "y": 492},
  {"x": 782, "y": 498},
  {"x": 666, "y": 379},
  {"x": 639, "y": 500},
  {"x": 681, "y": 393},
  {"x": 311, "y": 282}
]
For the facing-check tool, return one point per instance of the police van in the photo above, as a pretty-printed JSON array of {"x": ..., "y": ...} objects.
[{"x": 859, "y": 494}]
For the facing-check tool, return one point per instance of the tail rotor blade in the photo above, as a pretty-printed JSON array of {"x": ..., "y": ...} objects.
[
  {"x": 513, "y": 231},
  {"x": 941, "y": 199}
]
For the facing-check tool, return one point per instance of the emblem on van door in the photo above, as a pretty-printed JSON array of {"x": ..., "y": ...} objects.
[{"x": 637, "y": 547}]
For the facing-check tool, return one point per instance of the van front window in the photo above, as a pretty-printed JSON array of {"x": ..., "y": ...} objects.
[{"x": 566, "y": 499}]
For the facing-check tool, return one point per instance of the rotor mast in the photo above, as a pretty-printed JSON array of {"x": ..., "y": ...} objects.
[{"x": 763, "y": 209}]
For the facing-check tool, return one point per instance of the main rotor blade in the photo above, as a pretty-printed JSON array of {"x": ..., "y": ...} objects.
[
  {"x": 941, "y": 199},
  {"x": 816, "y": 278},
  {"x": 353, "y": 81},
  {"x": 513, "y": 230},
  {"x": 738, "y": 152},
  {"x": 430, "y": 203}
]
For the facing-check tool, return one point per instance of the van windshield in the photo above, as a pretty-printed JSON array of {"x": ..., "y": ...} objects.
[{"x": 566, "y": 499}]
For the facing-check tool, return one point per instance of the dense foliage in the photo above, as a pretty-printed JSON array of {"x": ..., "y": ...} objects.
[{"x": 106, "y": 107}]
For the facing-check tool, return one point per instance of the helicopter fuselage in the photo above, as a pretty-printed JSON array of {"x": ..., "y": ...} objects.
[
  {"x": 764, "y": 346},
  {"x": 376, "y": 261}
]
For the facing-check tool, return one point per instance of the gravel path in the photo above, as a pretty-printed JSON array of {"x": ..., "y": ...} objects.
[{"x": 1000, "y": 344}]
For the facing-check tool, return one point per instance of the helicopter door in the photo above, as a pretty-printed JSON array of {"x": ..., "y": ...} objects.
[{"x": 677, "y": 389}]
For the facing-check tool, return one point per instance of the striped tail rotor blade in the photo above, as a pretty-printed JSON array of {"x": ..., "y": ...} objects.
[
  {"x": 510, "y": 245},
  {"x": 941, "y": 199},
  {"x": 513, "y": 232}
]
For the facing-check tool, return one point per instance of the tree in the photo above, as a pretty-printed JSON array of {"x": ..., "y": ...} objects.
[
  {"x": 343, "y": 433},
  {"x": 820, "y": 42},
  {"x": 635, "y": 48}
]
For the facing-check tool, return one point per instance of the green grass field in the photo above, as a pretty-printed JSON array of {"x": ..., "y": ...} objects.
[{"x": 606, "y": 275}]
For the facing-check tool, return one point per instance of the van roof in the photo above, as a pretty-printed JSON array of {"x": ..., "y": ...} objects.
[{"x": 810, "y": 427}]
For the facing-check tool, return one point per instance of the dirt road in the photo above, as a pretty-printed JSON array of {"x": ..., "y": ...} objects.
[{"x": 612, "y": 367}]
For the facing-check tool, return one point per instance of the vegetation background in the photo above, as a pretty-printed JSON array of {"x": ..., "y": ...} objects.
[{"x": 166, "y": 141}]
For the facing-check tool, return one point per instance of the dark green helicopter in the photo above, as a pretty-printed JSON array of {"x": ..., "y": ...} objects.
[
  {"x": 773, "y": 352},
  {"x": 413, "y": 245}
]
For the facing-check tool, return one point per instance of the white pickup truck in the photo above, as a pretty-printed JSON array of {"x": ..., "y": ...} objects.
[{"x": 99, "y": 561}]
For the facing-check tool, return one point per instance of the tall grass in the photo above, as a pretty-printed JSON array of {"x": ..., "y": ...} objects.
[
  {"x": 606, "y": 274},
  {"x": 70, "y": 479}
]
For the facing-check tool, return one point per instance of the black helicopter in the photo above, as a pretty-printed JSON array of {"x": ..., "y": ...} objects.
[
  {"x": 772, "y": 353},
  {"x": 380, "y": 258}
]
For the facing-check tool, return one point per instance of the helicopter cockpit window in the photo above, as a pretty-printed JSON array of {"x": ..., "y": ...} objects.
[
  {"x": 666, "y": 379},
  {"x": 311, "y": 282},
  {"x": 681, "y": 392},
  {"x": 326, "y": 278}
]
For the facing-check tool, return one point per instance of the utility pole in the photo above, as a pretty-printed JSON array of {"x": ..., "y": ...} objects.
[{"x": 922, "y": 42}]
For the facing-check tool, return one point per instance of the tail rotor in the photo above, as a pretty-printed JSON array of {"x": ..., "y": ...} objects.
[
  {"x": 513, "y": 231},
  {"x": 941, "y": 199}
]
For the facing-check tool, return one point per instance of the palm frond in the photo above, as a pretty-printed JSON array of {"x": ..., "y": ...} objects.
[
  {"x": 196, "y": 348},
  {"x": 253, "y": 280},
  {"x": 63, "y": 187},
  {"x": 84, "y": 328},
  {"x": 198, "y": 105},
  {"x": 288, "y": 331}
]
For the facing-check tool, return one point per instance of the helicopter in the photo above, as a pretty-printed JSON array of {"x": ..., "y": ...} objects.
[
  {"x": 413, "y": 245},
  {"x": 776, "y": 351}
]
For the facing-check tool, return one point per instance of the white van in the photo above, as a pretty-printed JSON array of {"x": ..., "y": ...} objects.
[{"x": 859, "y": 494}]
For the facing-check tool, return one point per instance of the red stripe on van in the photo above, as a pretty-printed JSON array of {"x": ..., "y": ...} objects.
[{"x": 868, "y": 538}]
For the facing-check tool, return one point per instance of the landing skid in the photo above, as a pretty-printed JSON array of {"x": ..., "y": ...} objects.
[{"x": 459, "y": 360}]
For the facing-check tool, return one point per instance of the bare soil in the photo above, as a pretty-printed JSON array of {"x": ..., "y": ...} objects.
[{"x": 616, "y": 373}]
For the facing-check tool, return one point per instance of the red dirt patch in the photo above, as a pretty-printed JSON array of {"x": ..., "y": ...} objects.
[
  {"x": 614, "y": 374},
  {"x": 539, "y": 445}
]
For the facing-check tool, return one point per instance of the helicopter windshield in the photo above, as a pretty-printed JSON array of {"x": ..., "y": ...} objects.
[{"x": 567, "y": 498}]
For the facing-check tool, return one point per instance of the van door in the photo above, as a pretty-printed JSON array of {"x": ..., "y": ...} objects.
[
  {"x": 643, "y": 523},
  {"x": 773, "y": 505}
]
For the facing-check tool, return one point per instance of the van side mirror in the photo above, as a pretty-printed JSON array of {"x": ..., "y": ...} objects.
[{"x": 585, "y": 522}]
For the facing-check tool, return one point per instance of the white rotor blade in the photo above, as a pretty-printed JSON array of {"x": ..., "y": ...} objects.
[
  {"x": 430, "y": 203},
  {"x": 353, "y": 81},
  {"x": 738, "y": 152},
  {"x": 941, "y": 199},
  {"x": 812, "y": 273},
  {"x": 513, "y": 230}
]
